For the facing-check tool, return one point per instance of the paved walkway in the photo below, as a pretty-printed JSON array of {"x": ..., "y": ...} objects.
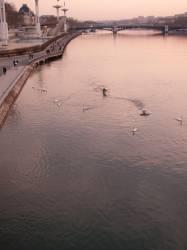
[
  {"x": 6, "y": 81},
  {"x": 22, "y": 61},
  {"x": 13, "y": 73}
]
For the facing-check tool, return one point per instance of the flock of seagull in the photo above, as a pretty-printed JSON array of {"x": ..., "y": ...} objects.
[
  {"x": 40, "y": 90},
  {"x": 144, "y": 112}
]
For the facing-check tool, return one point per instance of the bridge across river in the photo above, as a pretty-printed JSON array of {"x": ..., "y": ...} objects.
[{"x": 165, "y": 29}]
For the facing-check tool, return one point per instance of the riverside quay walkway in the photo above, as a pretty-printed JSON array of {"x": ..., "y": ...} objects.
[
  {"x": 11, "y": 67},
  {"x": 17, "y": 64}
]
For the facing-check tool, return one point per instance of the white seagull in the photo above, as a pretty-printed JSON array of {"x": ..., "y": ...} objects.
[
  {"x": 179, "y": 119},
  {"x": 134, "y": 130}
]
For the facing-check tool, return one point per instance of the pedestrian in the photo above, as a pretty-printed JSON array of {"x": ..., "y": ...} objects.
[
  {"x": 15, "y": 62},
  {"x": 4, "y": 70},
  {"x": 31, "y": 56}
]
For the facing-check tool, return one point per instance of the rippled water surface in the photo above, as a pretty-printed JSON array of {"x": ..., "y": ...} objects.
[{"x": 72, "y": 174}]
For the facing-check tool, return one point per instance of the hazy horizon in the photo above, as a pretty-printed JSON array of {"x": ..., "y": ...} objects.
[{"x": 94, "y": 10}]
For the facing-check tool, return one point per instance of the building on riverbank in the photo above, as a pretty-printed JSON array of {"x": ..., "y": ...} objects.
[{"x": 28, "y": 15}]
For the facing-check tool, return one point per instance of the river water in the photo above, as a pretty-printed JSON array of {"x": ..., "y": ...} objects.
[{"x": 73, "y": 176}]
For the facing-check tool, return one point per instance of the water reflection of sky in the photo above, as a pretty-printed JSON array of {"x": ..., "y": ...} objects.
[{"x": 81, "y": 179}]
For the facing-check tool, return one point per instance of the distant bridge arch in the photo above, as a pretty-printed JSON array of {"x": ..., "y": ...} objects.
[{"x": 164, "y": 29}]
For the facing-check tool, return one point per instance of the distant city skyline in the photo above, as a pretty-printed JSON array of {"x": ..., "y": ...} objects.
[{"x": 110, "y": 9}]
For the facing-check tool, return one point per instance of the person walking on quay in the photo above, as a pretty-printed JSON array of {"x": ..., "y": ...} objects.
[
  {"x": 31, "y": 56},
  {"x": 15, "y": 63},
  {"x": 4, "y": 70}
]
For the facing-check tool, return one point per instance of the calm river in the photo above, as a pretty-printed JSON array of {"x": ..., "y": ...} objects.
[{"x": 72, "y": 174}]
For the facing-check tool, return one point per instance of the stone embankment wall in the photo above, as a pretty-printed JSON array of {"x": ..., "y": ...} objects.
[{"x": 14, "y": 91}]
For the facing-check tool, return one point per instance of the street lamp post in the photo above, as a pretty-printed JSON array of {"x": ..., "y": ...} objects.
[
  {"x": 65, "y": 17},
  {"x": 3, "y": 24},
  {"x": 38, "y": 27},
  {"x": 57, "y": 7}
]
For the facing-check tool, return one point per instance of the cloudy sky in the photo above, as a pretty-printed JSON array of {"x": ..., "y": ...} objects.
[{"x": 111, "y": 9}]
